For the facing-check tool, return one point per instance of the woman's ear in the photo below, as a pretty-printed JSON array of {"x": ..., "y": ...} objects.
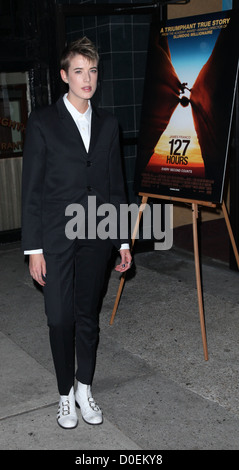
[{"x": 64, "y": 75}]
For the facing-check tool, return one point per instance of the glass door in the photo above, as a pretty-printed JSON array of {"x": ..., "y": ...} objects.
[{"x": 14, "y": 108}]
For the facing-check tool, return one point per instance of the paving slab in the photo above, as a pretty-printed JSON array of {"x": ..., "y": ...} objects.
[{"x": 152, "y": 381}]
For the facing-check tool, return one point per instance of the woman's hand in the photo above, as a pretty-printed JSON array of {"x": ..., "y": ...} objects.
[
  {"x": 126, "y": 260},
  {"x": 37, "y": 268}
]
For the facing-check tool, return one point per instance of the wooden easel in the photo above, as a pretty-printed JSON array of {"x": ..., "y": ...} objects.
[{"x": 196, "y": 253}]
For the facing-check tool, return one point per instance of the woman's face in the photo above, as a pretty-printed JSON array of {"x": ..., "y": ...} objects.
[{"x": 82, "y": 79}]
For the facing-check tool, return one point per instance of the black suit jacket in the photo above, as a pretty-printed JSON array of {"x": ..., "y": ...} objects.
[{"x": 58, "y": 171}]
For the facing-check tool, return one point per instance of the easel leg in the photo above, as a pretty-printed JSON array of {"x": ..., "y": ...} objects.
[
  {"x": 122, "y": 280},
  {"x": 198, "y": 279},
  {"x": 230, "y": 233}
]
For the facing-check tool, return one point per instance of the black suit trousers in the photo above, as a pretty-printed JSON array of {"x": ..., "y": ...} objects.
[{"x": 74, "y": 283}]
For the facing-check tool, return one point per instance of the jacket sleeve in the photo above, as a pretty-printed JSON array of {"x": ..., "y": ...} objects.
[
  {"x": 33, "y": 174},
  {"x": 117, "y": 190}
]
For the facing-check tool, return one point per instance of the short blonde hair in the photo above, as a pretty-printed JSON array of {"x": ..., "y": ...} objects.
[{"x": 82, "y": 46}]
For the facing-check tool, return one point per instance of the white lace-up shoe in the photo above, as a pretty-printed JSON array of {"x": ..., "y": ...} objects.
[
  {"x": 91, "y": 412},
  {"x": 66, "y": 415}
]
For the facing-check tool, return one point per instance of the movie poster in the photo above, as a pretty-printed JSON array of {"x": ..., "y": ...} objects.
[{"x": 190, "y": 85}]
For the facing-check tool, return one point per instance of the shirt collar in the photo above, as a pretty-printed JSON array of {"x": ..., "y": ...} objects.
[{"x": 75, "y": 113}]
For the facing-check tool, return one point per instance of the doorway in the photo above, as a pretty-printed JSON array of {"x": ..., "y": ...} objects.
[{"x": 14, "y": 109}]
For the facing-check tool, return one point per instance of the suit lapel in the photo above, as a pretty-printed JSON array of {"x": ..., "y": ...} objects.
[
  {"x": 72, "y": 129},
  {"x": 69, "y": 123},
  {"x": 95, "y": 128}
]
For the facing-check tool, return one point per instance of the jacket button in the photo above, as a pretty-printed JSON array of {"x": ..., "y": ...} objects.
[
  {"x": 89, "y": 163},
  {"x": 89, "y": 188}
]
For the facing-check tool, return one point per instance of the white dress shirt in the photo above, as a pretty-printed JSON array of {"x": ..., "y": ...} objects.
[{"x": 83, "y": 122}]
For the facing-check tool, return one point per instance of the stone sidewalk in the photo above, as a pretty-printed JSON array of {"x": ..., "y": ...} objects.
[{"x": 152, "y": 382}]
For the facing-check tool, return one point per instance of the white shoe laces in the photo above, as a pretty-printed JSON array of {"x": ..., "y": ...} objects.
[
  {"x": 64, "y": 408},
  {"x": 93, "y": 404}
]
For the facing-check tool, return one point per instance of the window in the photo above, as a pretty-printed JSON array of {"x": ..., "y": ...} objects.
[{"x": 13, "y": 118}]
